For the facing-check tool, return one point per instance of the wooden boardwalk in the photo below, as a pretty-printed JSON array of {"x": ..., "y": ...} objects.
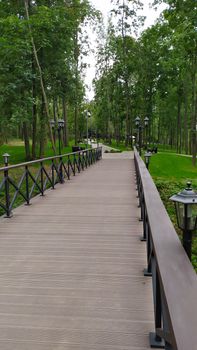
[{"x": 71, "y": 266}]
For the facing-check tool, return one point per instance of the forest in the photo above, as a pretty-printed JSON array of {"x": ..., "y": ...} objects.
[{"x": 147, "y": 73}]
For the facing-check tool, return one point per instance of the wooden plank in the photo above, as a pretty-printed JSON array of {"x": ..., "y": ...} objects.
[{"x": 71, "y": 266}]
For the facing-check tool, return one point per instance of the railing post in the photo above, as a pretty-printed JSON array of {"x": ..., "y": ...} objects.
[
  {"x": 148, "y": 270},
  {"x": 61, "y": 171},
  {"x": 53, "y": 175},
  {"x": 79, "y": 162},
  {"x": 27, "y": 184},
  {"x": 74, "y": 164},
  {"x": 7, "y": 194},
  {"x": 42, "y": 179},
  {"x": 155, "y": 340},
  {"x": 68, "y": 167}
]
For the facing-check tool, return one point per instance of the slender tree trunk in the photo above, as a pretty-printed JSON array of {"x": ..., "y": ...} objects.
[
  {"x": 26, "y": 140},
  {"x": 34, "y": 113},
  {"x": 76, "y": 56},
  {"x": 42, "y": 128},
  {"x": 185, "y": 120},
  {"x": 194, "y": 111},
  {"x": 26, "y": 3},
  {"x": 64, "y": 108},
  {"x": 178, "y": 141}
]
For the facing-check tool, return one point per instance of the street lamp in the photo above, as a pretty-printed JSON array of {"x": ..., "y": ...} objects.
[
  {"x": 186, "y": 212},
  {"x": 60, "y": 126},
  {"x": 140, "y": 125},
  {"x": 88, "y": 115},
  {"x": 6, "y": 157},
  {"x": 147, "y": 157}
]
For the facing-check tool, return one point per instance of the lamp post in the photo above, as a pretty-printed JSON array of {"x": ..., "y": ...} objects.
[
  {"x": 186, "y": 212},
  {"x": 60, "y": 126},
  {"x": 140, "y": 125},
  {"x": 6, "y": 157},
  {"x": 147, "y": 157},
  {"x": 88, "y": 115}
]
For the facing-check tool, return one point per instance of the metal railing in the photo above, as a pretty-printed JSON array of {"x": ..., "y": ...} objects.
[
  {"x": 173, "y": 277},
  {"x": 39, "y": 175}
]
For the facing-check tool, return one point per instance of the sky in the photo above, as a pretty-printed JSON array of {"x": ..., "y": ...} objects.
[{"x": 104, "y": 6}]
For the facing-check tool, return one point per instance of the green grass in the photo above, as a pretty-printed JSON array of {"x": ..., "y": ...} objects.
[
  {"x": 17, "y": 151},
  {"x": 120, "y": 146},
  {"x": 172, "y": 167},
  {"x": 170, "y": 173}
]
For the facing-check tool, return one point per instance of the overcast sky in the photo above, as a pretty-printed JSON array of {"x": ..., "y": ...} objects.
[{"x": 104, "y": 6}]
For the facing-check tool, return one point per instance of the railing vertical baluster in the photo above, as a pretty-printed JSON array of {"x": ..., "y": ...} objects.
[
  {"x": 155, "y": 340},
  {"x": 53, "y": 174},
  {"x": 7, "y": 194},
  {"x": 79, "y": 161},
  {"x": 148, "y": 270},
  {"x": 42, "y": 179},
  {"x": 68, "y": 167},
  {"x": 27, "y": 184},
  {"x": 61, "y": 171},
  {"x": 74, "y": 164}
]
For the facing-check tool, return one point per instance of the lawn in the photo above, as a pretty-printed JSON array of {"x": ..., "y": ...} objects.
[
  {"x": 171, "y": 172},
  {"x": 17, "y": 152},
  {"x": 172, "y": 167},
  {"x": 120, "y": 146}
]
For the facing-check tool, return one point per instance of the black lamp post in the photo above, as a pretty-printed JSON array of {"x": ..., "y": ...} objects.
[
  {"x": 140, "y": 125},
  {"x": 186, "y": 212},
  {"x": 6, "y": 157},
  {"x": 147, "y": 157},
  {"x": 60, "y": 126},
  {"x": 88, "y": 115}
]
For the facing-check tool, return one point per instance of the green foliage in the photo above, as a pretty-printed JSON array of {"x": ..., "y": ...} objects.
[
  {"x": 173, "y": 167},
  {"x": 170, "y": 173}
]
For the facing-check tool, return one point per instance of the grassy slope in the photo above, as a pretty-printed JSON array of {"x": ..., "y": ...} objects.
[
  {"x": 170, "y": 173},
  {"x": 17, "y": 151}
]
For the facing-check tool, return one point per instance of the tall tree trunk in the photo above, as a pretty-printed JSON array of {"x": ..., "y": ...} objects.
[
  {"x": 194, "y": 111},
  {"x": 76, "y": 57},
  {"x": 64, "y": 108},
  {"x": 42, "y": 128},
  {"x": 185, "y": 119},
  {"x": 26, "y": 140},
  {"x": 178, "y": 141},
  {"x": 26, "y": 3},
  {"x": 34, "y": 113}
]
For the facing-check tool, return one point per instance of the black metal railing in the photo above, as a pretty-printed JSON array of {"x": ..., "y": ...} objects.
[
  {"x": 35, "y": 177},
  {"x": 173, "y": 277}
]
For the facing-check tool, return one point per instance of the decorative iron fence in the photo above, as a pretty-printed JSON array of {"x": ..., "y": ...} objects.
[
  {"x": 173, "y": 277},
  {"x": 37, "y": 176}
]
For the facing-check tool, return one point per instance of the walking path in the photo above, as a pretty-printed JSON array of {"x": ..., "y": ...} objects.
[{"x": 71, "y": 266}]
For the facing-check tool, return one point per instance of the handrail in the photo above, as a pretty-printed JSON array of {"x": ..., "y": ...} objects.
[
  {"x": 42, "y": 160},
  {"x": 46, "y": 175},
  {"x": 174, "y": 279}
]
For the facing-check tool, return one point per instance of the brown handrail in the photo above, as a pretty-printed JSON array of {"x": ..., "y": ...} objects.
[{"x": 174, "y": 279}]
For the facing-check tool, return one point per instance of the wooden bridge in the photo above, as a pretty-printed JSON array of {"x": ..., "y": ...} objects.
[{"x": 71, "y": 268}]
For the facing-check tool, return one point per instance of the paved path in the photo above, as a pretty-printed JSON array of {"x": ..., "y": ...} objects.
[{"x": 71, "y": 266}]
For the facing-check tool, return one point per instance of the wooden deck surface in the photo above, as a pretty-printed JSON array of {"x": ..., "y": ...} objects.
[{"x": 71, "y": 266}]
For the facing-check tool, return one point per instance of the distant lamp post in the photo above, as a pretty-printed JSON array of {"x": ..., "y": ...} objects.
[
  {"x": 147, "y": 157},
  {"x": 140, "y": 125},
  {"x": 88, "y": 115},
  {"x": 6, "y": 157},
  {"x": 60, "y": 126},
  {"x": 186, "y": 212}
]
